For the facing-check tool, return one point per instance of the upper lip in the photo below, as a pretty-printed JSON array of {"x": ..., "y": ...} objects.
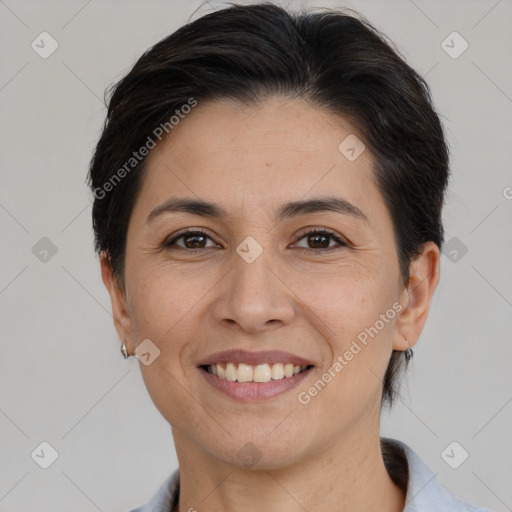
[{"x": 254, "y": 358}]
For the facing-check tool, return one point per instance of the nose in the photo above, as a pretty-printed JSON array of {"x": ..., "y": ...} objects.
[{"x": 255, "y": 296}]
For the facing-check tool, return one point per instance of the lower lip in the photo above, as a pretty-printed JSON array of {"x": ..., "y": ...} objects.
[{"x": 254, "y": 391}]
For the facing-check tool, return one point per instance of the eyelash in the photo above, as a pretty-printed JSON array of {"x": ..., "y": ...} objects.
[{"x": 342, "y": 243}]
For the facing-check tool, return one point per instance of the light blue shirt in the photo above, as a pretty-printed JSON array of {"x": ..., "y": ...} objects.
[{"x": 424, "y": 492}]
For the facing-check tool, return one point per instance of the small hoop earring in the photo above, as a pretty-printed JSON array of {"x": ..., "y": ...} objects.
[
  {"x": 408, "y": 353},
  {"x": 124, "y": 351}
]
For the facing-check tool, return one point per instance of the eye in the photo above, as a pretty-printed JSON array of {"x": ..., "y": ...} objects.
[
  {"x": 192, "y": 240},
  {"x": 195, "y": 240},
  {"x": 320, "y": 239}
]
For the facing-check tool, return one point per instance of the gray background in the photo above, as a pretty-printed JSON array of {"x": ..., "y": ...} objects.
[{"x": 62, "y": 378}]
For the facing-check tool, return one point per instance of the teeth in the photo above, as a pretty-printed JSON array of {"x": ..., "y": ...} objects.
[
  {"x": 245, "y": 373},
  {"x": 231, "y": 372},
  {"x": 259, "y": 373},
  {"x": 262, "y": 373},
  {"x": 277, "y": 371}
]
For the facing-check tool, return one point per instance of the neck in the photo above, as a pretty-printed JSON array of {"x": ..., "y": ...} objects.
[{"x": 348, "y": 475}]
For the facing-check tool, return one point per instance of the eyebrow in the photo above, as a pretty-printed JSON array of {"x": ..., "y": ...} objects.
[{"x": 286, "y": 211}]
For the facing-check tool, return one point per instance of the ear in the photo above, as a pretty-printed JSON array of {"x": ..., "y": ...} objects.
[
  {"x": 122, "y": 319},
  {"x": 416, "y": 297}
]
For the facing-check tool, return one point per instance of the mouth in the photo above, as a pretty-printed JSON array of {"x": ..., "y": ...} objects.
[{"x": 254, "y": 376}]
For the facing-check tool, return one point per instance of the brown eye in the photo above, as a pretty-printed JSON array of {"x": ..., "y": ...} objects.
[
  {"x": 319, "y": 240},
  {"x": 192, "y": 240},
  {"x": 195, "y": 240}
]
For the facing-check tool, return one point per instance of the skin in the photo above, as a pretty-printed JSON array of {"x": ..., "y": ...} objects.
[{"x": 321, "y": 456}]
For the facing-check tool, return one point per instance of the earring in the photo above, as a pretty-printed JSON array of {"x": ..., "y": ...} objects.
[
  {"x": 124, "y": 351},
  {"x": 408, "y": 353}
]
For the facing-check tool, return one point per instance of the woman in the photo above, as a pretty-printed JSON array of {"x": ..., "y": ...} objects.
[{"x": 268, "y": 193}]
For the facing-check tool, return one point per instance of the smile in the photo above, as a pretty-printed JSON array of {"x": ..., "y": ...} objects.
[{"x": 249, "y": 376}]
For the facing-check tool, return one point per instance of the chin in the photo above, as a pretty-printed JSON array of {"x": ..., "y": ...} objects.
[{"x": 257, "y": 453}]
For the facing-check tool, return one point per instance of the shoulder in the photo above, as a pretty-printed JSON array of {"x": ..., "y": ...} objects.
[
  {"x": 424, "y": 492},
  {"x": 165, "y": 497}
]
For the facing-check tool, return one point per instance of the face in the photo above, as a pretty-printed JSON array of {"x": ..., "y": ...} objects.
[{"x": 301, "y": 285}]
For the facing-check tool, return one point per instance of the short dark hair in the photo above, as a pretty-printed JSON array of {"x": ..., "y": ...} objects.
[{"x": 334, "y": 60}]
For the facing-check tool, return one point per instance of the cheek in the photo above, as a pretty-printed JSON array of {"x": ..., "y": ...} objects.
[
  {"x": 357, "y": 320},
  {"x": 159, "y": 300},
  {"x": 161, "y": 307},
  {"x": 167, "y": 306},
  {"x": 349, "y": 302},
  {"x": 356, "y": 317}
]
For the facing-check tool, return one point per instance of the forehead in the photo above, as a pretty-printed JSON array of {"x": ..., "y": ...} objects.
[{"x": 278, "y": 150}]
